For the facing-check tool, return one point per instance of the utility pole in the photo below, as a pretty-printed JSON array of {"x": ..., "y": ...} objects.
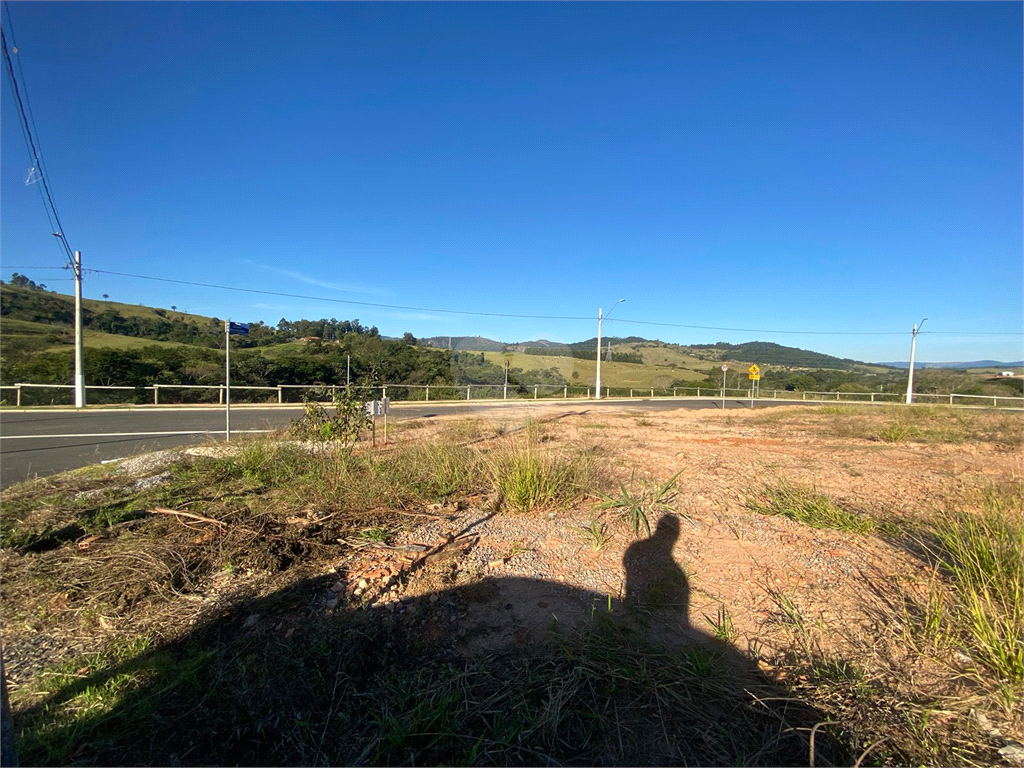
[
  {"x": 227, "y": 380},
  {"x": 600, "y": 318},
  {"x": 79, "y": 364},
  {"x": 910, "y": 375}
]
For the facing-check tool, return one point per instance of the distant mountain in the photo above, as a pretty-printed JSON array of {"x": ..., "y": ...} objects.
[
  {"x": 768, "y": 353},
  {"x": 971, "y": 364},
  {"x": 471, "y": 343}
]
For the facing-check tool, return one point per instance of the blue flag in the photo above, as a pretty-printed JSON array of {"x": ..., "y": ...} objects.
[{"x": 241, "y": 329}]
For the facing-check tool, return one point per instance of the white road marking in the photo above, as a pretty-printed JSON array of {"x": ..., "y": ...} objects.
[{"x": 135, "y": 434}]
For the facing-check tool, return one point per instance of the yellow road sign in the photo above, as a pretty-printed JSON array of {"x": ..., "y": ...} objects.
[
  {"x": 754, "y": 370},
  {"x": 755, "y": 376}
]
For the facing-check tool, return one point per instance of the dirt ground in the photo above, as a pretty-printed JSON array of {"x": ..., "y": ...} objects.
[{"x": 475, "y": 579}]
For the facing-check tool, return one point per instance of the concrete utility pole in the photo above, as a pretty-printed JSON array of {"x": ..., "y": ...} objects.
[
  {"x": 79, "y": 364},
  {"x": 910, "y": 375},
  {"x": 600, "y": 319}
]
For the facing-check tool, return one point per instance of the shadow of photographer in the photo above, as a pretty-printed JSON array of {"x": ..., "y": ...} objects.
[{"x": 498, "y": 671}]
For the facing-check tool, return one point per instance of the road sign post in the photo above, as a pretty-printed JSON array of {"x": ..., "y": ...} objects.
[
  {"x": 724, "y": 369},
  {"x": 755, "y": 377},
  {"x": 241, "y": 329}
]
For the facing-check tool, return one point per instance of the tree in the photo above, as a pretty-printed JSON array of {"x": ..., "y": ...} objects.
[
  {"x": 106, "y": 296},
  {"x": 408, "y": 338}
]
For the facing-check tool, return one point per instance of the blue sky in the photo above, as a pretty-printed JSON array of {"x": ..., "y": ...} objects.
[{"x": 836, "y": 167}]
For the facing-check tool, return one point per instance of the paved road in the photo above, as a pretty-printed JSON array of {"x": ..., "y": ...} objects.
[{"x": 40, "y": 443}]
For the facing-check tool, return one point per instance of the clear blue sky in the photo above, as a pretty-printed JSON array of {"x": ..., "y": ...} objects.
[{"x": 846, "y": 167}]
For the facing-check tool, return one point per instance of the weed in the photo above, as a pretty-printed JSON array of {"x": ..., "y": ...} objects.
[
  {"x": 378, "y": 535},
  {"x": 722, "y": 626},
  {"x": 638, "y": 503},
  {"x": 808, "y": 507},
  {"x": 897, "y": 432},
  {"x": 527, "y": 479},
  {"x": 595, "y": 534},
  {"x": 645, "y": 423},
  {"x": 835, "y": 410},
  {"x": 981, "y": 554}
]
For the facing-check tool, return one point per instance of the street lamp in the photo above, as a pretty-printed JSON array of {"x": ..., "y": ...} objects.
[
  {"x": 600, "y": 319},
  {"x": 910, "y": 376},
  {"x": 79, "y": 366}
]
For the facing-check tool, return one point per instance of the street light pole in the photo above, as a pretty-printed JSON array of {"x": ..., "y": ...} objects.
[
  {"x": 910, "y": 375},
  {"x": 79, "y": 364},
  {"x": 600, "y": 319}
]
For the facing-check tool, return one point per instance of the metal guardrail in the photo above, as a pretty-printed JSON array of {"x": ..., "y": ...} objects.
[{"x": 468, "y": 392}]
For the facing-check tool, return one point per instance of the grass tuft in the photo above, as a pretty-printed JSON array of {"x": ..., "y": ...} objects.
[
  {"x": 808, "y": 507},
  {"x": 528, "y": 479},
  {"x": 981, "y": 555},
  {"x": 638, "y": 503}
]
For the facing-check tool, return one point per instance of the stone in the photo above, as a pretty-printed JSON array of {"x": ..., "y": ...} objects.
[
  {"x": 337, "y": 587},
  {"x": 434, "y": 598},
  {"x": 1013, "y": 754},
  {"x": 362, "y": 584}
]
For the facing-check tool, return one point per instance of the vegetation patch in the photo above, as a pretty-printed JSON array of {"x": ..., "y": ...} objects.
[{"x": 809, "y": 507}]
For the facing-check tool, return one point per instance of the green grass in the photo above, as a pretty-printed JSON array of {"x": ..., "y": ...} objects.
[
  {"x": 806, "y": 506},
  {"x": 981, "y": 555},
  {"x": 898, "y": 432},
  {"x": 528, "y": 478},
  {"x": 637, "y": 503},
  {"x": 612, "y": 374}
]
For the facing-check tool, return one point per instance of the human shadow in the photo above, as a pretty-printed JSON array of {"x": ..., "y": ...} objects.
[{"x": 511, "y": 671}]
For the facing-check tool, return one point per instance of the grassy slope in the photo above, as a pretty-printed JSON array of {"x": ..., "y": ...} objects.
[
  {"x": 14, "y": 329},
  {"x": 612, "y": 374}
]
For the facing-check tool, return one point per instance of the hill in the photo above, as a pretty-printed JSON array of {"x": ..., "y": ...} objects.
[
  {"x": 904, "y": 364},
  {"x": 468, "y": 343}
]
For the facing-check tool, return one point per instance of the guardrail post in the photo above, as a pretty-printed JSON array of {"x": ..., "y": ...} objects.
[
  {"x": 995, "y": 404},
  {"x": 566, "y": 393},
  {"x": 280, "y": 395},
  {"x": 803, "y": 395},
  {"x": 652, "y": 393},
  {"x": 428, "y": 393},
  {"x": 467, "y": 391},
  {"x": 156, "y": 394},
  {"x": 837, "y": 396},
  {"x": 534, "y": 391},
  {"x": 588, "y": 393},
  {"x": 18, "y": 395},
  {"x": 950, "y": 398},
  {"x": 631, "y": 393},
  {"x": 383, "y": 392},
  {"x": 220, "y": 395}
]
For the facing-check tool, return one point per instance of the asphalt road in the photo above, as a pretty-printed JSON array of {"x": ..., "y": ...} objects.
[{"x": 40, "y": 443}]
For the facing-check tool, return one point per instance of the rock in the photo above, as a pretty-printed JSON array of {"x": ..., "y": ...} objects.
[
  {"x": 358, "y": 592},
  {"x": 496, "y": 563},
  {"x": 362, "y": 584},
  {"x": 251, "y": 621},
  {"x": 337, "y": 587},
  {"x": 1013, "y": 753},
  {"x": 434, "y": 598},
  {"x": 332, "y": 603}
]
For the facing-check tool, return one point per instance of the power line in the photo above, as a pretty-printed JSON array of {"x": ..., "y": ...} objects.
[
  {"x": 338, "y": 301},
  {"x": 34, "y": 152},
  {"x": 22, "y": 266},
  {"x": 816, "y": 333},
  {"x": 509, "y": 315},
  {"x": 760, "y": 330}
]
